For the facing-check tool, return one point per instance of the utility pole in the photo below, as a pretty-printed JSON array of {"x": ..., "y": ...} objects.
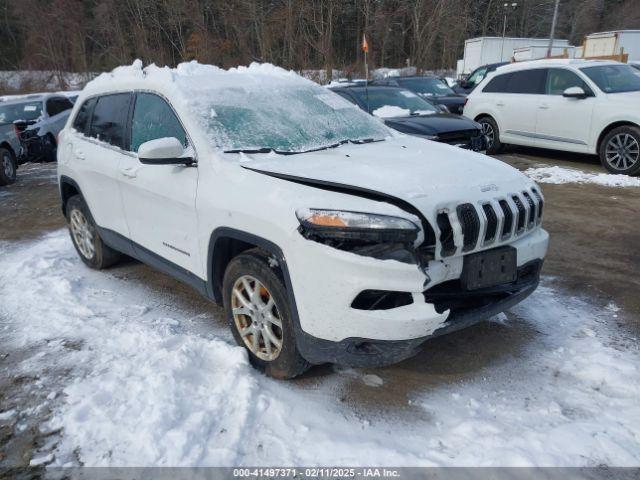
[
  {"x": 553, "y": 28},
  {"x": 514, "y": 5}
]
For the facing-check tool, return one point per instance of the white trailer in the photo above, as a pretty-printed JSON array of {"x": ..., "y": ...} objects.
[
  {"x": 609, "y": 44},
  {"x": 534, "y": 53},
  {"x": 483, "y": 50}
]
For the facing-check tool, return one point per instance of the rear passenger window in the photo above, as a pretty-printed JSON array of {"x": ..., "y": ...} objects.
[
  {"x": 58, "y": 105},
  {"x": 82, "y": 117},
  {"x": 527, "y": 81},
  {"x": 497, "y": 84},
  {"x": 153, "y": 118},
  {"x": 109, "y": 119}
]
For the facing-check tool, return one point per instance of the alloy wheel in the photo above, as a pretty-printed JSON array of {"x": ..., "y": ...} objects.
[
  {"x": 487, "y": 129},
  {"x": 256, "y": 317},
  {"x": 622, "y": 151},
  {"x": 82, "y": 234},
  {"x": 7, "y": 166}
]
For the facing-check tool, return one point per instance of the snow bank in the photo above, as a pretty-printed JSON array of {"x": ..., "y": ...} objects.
[
  {"x": 559, "y": 175},
  {"x": 389, "y": 111},
  {"x": 153, "y": 382}
]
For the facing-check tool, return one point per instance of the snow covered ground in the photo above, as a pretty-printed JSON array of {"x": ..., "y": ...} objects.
[
  {"x": 150, "y": 383},
  {"x": 559, "y": 175}
]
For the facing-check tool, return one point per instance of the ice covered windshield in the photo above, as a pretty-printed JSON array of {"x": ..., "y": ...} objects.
[
  {"x": 20, "y": 111},
  {"x": 614, "y": 78},
  {"x": 285, "y": 117},
  {"x": 427, "y": 86}
]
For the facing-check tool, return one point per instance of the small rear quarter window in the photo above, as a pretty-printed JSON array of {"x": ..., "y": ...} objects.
[{"x": 82, "y": 117}]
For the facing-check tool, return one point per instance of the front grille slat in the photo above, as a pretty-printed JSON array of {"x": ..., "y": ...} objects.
[
  {"x": 531, "y": 219},
  {"x": 522, "y": 213},
  {"x": 470, "y": 222},
  {"x": 492, "y": 223},
  {"x": 446, "y": 235},
  {"x": 507, "y": 225},
  {"x": 540, "y": 203}
]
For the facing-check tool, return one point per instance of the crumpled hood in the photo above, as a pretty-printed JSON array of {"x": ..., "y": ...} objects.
[
  {"x": 432, "y": 124},
  {"x": 424, "y": 173}
]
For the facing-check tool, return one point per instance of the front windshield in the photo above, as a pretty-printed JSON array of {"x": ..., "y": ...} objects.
[
  {"x": 285, "y": 118},
  {"x": 426, "y": 86},
  {"x": 27, "y": 111},
  {"x": 614, "y": 78},
  {"x": 392, "y": 102}
]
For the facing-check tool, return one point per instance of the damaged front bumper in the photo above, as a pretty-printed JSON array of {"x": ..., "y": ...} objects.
[{"x": 333, "y": 329}]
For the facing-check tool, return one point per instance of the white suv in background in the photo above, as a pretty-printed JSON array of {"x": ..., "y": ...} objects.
[
  {"x": 584, "y": 106},
  {"x": 327, "y": 236}
]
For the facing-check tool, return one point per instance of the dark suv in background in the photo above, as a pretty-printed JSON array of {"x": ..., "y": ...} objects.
[
  {"x": 409, "y": 113},
  {"x": 430, "y": 87}
]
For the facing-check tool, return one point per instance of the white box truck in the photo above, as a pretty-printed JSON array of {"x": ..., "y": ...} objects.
[
  {"x": 484, "y": 50},
  {"x": 609, "y": 44},
  {"x": 534, "y": 53}
]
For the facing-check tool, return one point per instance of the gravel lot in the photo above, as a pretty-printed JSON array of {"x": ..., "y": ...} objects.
[{"x": 554, "y": 382}]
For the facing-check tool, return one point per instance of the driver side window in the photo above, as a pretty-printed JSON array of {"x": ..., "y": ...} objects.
[
  {"x": 153, "y": 118},
  {"x": 558, "y": 80}
]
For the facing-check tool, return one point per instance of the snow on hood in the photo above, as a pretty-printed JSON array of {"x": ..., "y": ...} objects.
[{"x": 406, "y": 167}]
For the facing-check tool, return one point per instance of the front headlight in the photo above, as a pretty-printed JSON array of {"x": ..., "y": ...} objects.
[{"x": 366, "y": 227}]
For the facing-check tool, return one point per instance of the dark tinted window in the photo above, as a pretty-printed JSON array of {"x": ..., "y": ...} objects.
[
  {"x": 497, "y": 84},
  {"x": 109, "y": 119},
  {"x": 614, "y": 78},
  {"x": 82, "y": 117},
  {"x": 527, "y": 81},
  {"x": 559, "y": 79},
  {"x": 153, "y": 118},
  {"x": 57, "y": 105}
]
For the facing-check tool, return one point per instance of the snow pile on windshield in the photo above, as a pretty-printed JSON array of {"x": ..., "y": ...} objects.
[
  {"x": 388, "y": 111},
  {"x": 155, "y": 381},
  {"x": 559, "y": 175},
  {"x": 256, "y": 108}
]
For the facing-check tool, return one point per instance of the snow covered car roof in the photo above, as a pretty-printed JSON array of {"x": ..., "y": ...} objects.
[{"x": 259, "y": 107}]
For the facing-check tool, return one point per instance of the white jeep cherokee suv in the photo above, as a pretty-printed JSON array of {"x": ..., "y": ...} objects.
[
  {"x": 327, "y": 236},
  {"x": 584, "y": 106}
]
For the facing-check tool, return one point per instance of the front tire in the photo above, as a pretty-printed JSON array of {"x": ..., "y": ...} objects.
[
  {"x": 620, "y": 150},
  {"x": 8, "y": 167},
  {"x": 84, "y": 235},
  {"x": 492, "y": 133},
  {"x": 259, "y": 315}
]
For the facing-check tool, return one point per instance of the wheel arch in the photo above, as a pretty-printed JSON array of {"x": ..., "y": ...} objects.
[
  {"x": 8, "y": 146},
  {"x": 605, "y": 131},
  {"x": 68, "y": 188},
  {"x": 225, "y": 244}
]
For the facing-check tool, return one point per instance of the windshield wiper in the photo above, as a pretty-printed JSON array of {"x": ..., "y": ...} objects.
[
  {"x": 282, "y": 152},
  {"x": 256, "y": 150}
]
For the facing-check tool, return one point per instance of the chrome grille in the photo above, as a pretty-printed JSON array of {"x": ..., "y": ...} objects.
[{"x": 488, "y": 223}]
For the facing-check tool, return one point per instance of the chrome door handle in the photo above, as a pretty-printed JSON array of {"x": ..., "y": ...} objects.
[{"x": 129, "y": 172}]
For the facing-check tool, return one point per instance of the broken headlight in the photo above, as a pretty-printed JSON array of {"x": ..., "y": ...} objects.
[{"x": 368, "y": 234}]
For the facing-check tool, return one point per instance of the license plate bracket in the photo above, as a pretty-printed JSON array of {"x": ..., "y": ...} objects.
[{"x": 489, "y": 268}]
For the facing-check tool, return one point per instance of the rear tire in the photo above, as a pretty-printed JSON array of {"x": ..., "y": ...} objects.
[
  {"x": 492, "y": 133},
  {"x": 8, "y": 167},
  {"x": 84, "y": 235},
  {"x": 619, "y": 150},
  {"x": 259, "y": 314}
]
